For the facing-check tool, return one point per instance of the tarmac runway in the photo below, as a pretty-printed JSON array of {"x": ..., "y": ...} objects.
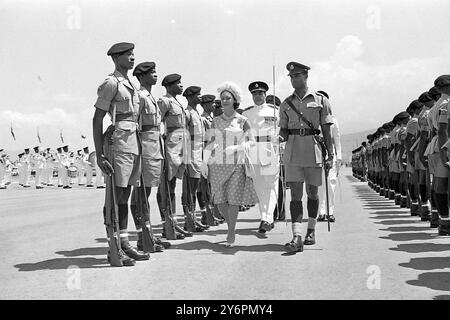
[{"x": 54, "y": 247}]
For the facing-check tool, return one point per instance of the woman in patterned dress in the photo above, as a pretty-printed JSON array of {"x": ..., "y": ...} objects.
[{"x": 225, "y": 158}]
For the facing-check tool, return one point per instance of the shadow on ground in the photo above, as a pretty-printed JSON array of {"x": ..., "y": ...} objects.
[{"x": 385, "y": 212}]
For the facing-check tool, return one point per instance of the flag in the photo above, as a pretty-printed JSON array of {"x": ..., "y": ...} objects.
[
  {"x": 38, "y": 136},
  {"x": 60, "y": 134},
  {"x": 12, "y": 133}
]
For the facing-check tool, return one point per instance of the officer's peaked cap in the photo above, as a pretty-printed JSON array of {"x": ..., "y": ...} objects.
[
  {"x": 295, "y": 67},
  {"x": 258, "y": 86},
  {"x": 425, "y": 97}
]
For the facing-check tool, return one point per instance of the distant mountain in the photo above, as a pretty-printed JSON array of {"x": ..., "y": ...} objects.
[{"x": 351, "y": 141}]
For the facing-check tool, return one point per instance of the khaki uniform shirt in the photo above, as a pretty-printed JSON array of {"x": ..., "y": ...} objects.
[
  {"x": 303, "y": 150},
  {"x": 119, "y": 97}
]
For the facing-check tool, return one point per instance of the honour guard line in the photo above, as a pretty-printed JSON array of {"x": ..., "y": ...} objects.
[{"x": 407, "y": 159}]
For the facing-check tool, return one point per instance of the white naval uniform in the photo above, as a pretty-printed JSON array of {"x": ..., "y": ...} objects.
[
  {"x": 80, "y": 168},
  {"x": 87, "y": 168},
  {"x": 37, "y": 161},
  {"x": 63, "y": 179},
  {"x": 26, "y": 170},
  {"x": 264, "y": 156},
  {"x": 332, "y": 174}
]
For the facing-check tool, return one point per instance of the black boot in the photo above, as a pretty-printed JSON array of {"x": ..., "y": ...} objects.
[
  {"x": 126, "y": 260},
  {"x": 444, "y": 228},
  {"x": 310, "y": 237},
  {"x": 139, "y": 245},
  {"x": 424, "y": 213},
  {"x": 434, "y": 219},
  {"x": 183, "y": 232},
  {"x": 414, "y": 209},
  {"x": 296, "y": 245},
  {"x": 131, "y": 252},
  {"x": 403, "y": 201}
]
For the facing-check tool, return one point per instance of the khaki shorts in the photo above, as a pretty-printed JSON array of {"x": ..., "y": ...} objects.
[
  {"x": 310, "y": 175},
  {"x": 437, "y": 167},
  {"x": 127, "y": 169},
  {"x": 151, "y": 170}
]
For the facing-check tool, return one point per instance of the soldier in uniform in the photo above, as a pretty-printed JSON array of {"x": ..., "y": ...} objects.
[
  {"x": 263, "y": 155},
  {"x": 279, "y": 213},
  {"x": 150, "y": 137},
  {"x": 176, "y": 140},
  {"x": 119, "y": 97},
  {"x": 432, "y": 154},
  {"x": 207, "y": 103},
  {"x": 334, "y": 171},
  {"x": 421, "y": 163},
  {"x": 438, "y": 158},
  {"x": 195, "y": 157},
  {"x": 301, "y": 115},
  {"x": 218, "y": 109},
  {"x": 26, "y": 168},
  {"x": 37, "y": 163},
  {"x": 65, "y": 163},
  {"x": 412, "y": 136},
  {"x": 88, "y": 167},
  {"x": 403, "y": 118}
]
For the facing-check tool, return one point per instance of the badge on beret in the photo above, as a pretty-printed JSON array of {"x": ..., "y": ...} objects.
[
  {"x": 256, "y": 85},
  {"x": 291, "y": 67}
]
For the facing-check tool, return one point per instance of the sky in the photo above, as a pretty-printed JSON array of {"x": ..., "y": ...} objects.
[{"x": 372, "y": 57}]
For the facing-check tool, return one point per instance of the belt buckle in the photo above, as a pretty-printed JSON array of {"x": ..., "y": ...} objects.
[{"x": 302, "y": 131}]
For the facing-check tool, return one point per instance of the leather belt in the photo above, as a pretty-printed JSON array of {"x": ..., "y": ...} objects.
[
  {"x": 147, "y": 127},
  {"x": 263, "y": 139},
  {"x": 124, "y": 117},
  {"x": 171, "y": 129},
  {"x": 304, "y": 132}
]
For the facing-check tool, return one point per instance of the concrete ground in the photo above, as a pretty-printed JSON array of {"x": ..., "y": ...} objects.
[{"x": 54, "y": 247}]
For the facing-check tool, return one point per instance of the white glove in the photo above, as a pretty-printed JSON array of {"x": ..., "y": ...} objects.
[{"x": 204, "y": 169}]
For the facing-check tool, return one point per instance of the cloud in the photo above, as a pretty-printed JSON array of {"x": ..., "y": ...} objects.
[{"x": 365, "y": 95}]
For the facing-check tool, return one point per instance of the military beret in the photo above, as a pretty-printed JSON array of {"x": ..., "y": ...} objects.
[
  {"x": 79, "y": 150},
  {"x": 258, "y": 86},
  {"x": 442, "y": 81},
  {"x": 323, "y": 93},
  {"x": 66, "y": 146},
  {"x": 386, "y": 125},
  {"x": 402, "y": 116},
  {"x": 381, "y": 130},
  {"x": 415, "y": 104},
  {"x": 120, "y": 47},
  {"x": 26, "y": 149},
  {"x": 59, "y": 148},
  {"x": 37, "y": 147},
  {"x": 189, "y": 91},
  {"x": 48, "y": 149},
  {"x": 425, "y": 97},
  {"x": 143, "y": 67},
  {"x": 208, "y": 98},
  {"x": 369, "y": 136},
  {"x": 273, "y": 100},
  {"x": 433, "y": 92},
  {"x": 86, "y": 148},
  {"x": 295, "y": 67},
  {"x": 169, "y": 79},
  {"x": 1, "y": 150},
  {"x": 21, "y": 154}
]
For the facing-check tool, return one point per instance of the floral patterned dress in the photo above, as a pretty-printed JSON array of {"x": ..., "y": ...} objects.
[{"x": 229, "y": 182}]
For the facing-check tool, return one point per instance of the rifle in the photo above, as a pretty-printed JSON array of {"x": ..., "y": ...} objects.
[
  {"x": 111, "y": 209},
  {"x": 143, "y": 210},
  {"x": 189, "y": 215},
  {"x": 210, "y": 220},
  {"x": 326, "y": 189},
  {"x": 169, "y": 225}
]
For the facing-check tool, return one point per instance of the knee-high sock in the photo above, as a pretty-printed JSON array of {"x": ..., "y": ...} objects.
[
  {"x": 123, "y": 216},
  {"x": 441, "y": 204},
  {"x": 296, "y": 209}
]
